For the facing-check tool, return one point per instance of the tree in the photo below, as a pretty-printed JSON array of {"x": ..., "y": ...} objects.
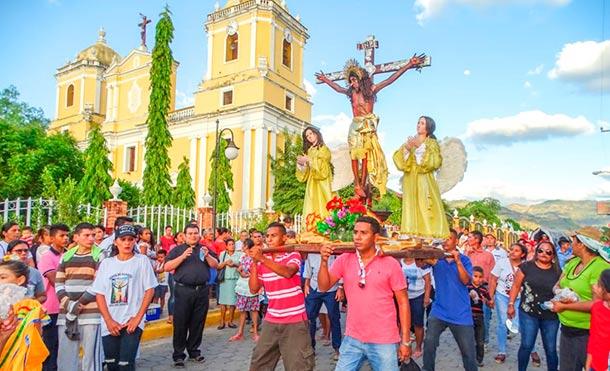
[
  {"x": 486, "y": 208},
  {"x": 390, "y": 202},
  {"x": 49, "y": 188},
  {"x": 156, "y": 179},
  {"x": 67, "y": 203},
  {"x": 93, "y": 187},
  {"x": 225, "y": 178},
  {"x": 130, "y": 193},
  {"x": 288, "y": 192},
  {"x": 184, "y": 195}
]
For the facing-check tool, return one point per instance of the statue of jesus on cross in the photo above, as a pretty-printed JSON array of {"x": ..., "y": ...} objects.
[{"x": 368, "y": 161}]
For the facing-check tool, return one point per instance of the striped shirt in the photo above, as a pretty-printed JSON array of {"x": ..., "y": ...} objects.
[
  {"x": 286, "y": 299},
  {"x": 73, "y": 286}
]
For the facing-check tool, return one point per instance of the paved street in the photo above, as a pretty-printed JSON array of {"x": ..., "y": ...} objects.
[{"x": 222, "y": 355}]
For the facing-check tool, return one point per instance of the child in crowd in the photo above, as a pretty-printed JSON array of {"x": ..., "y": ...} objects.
[
  {"x": 598, "y": 348},
  {"x": 124, "y": 287},
  {"x": 161, "y": 290},
  {"x": 27, "y": 235},
  {"x": 479, "y": 295}
]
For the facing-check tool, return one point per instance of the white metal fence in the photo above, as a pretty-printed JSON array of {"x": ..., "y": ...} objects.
[
  {"x": 36, "y": 212},
  {"x": 157, "y": 217},
  {"x": 246, "y": 219}
]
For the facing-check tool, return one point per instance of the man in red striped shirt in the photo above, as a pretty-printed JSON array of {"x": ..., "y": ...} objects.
[{"x": 286, "y": 330}]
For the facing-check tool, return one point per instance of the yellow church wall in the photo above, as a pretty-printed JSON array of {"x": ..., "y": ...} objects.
[
  {"x": 253, "y": 175},
  {"x": 180, "y": 148}
]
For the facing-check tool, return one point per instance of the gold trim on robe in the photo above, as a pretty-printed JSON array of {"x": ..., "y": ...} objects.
[{"x": 363, "y": 142}]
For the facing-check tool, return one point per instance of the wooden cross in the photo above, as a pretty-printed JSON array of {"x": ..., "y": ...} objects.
[
  {"x": 369, "y": 45},
  {"x": 142, "y": 26}
]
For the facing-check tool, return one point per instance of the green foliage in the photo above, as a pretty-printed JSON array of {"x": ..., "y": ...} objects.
[
  {"x": 288, "y": 192},
  {"x": 225, "y": 178},
  {"x": 486, "y": 208},
  {"x": 130, "y": 194},
  {"x": 262, "y": 223},
  {"x": 391, "y": 202},
  {"x": 346, "y": 192},
  {"x": 184, "y": 195},
  {"x": 513, "y": 223},
  {"x": 156, "y": 179},
  {"x": 93, "y": 187},
  {"x": 49, "y": 187},
  {"x": 26, "y": 150},
  {"x": 67, "y": 202}
]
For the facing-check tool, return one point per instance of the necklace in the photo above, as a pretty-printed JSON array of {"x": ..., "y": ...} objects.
[{"x": 362, "y": 268}]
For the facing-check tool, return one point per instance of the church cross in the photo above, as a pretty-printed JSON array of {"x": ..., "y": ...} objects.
[
  {"x": 368, "y": 46},
  {"x": 142, "y": 25}
]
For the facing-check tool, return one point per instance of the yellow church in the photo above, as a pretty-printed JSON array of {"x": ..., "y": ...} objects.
[{"x": 253, "y": 85}]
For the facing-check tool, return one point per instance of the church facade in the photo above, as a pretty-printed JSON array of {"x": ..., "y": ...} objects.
[{"x": 253, "y": 84}]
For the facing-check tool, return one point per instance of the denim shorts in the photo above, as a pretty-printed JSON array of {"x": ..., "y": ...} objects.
[{"x": 417, "y": 311}]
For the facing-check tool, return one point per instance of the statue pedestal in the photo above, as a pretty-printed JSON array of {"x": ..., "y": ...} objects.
[
  {"x": 114, "y": 209},
  {"x": 206, "y": 217}
]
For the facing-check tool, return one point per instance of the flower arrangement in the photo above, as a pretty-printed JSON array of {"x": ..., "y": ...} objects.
[{"x": 339, "y": 224}]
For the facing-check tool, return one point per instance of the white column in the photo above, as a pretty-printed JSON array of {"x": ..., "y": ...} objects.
[
  {"x": 98, "y": 94},
  {"x": 246, "y": 175},
  {"x": 260, "y": 168},
  {"x": 109, "y": 96},
  {"x": 115, "y": 102},
  {"x": 57, "y": 102},
  {"x": 272, "y": 51},
  {"x": 253, "y": 43},
  {"x": 82, "y": 94},
  {"x": 202, "y": 162},
  {"x": 273, "y": 153},
  {"x": 208, "y": 74},
  {"x": 193, "y": 161}
]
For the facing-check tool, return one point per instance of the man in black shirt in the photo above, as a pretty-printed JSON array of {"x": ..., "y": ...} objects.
[{"x": 191, "y": 262}]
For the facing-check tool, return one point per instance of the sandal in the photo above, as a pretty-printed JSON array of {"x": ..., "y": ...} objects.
[
  {"x": 232, "y": 325},
  {"x": 255, "y": 337},
  {"x": 221, "y": 326},
  {"x": 236, "y": 337}
]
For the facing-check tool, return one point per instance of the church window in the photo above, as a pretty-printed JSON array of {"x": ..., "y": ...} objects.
[
  {"x": 130, "y": 159},
  {"x": 287, "y": 53},
  {"x": 70, "y": 96},
  {"x": 231, "y": 47},
  {"x": 227, "y": 97},
  {"x": 289, "y": 102}
]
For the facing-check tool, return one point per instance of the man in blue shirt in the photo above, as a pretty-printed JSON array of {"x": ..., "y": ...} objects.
[
  {"x": 451, "y": 307},
  {"x": 564, "y": 251}
]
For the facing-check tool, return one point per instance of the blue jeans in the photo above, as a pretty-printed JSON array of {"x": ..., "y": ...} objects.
[
  {"x": 487, "y": 312},
  {"x": 501, "y": 302},
  {"x": 463, "y": 335},
  {"x": 381, "y": 357},
  {"x": 529, "y": 326},
  {"x": 313, "y": 303},
  {"x": 120, "y": 351}
]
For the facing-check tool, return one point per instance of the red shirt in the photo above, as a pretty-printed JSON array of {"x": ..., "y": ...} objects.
[
  {"x": 167, "y": 242},
  {"x": 483, "y": 259},
  {"x": 219, "y": 246},
  {"x": 371, "y": 317},
  {"x": 286, "y": 299},
  {"x": 599, "y": 336}
]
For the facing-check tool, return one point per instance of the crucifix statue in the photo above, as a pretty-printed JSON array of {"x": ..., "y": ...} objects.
[
  {"x": 142, "y": 26},
  {"x": 368, "y": 161}
]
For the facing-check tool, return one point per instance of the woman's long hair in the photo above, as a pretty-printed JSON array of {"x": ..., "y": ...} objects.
[
  {"x": 555, "y": 263},
  {"x": 366, "y": 87},
  {"x": 306, "y": 144},
  {"x": 430, "y": 126}
]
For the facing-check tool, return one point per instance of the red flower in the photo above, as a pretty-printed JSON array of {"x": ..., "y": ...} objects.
[
  {"x": 355, "y": 206},
  {"x": 335, "y": 204}
]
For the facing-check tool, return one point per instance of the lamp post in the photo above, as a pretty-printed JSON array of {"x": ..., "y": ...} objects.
[{"x": 231, "y": 153}]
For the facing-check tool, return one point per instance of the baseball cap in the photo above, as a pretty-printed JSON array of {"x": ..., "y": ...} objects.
[{"x": 125, "y": 230}]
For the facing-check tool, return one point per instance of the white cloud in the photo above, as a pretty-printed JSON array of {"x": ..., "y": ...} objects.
[
  {"x": 334, "y": 128},
  {"x": 527, "y": 84},
  {"x": 182, "y": 100},
  {"x": 526, "y": 126},
  {"x": 466, "y": 72},
  {"x": 536, "y": 70},
  {"x": 427, "y": 9},
  {"x": 581, "y": 63},
  {"x": 310, "y": 88}
]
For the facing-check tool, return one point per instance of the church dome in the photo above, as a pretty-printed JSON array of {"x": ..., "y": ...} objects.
[{"x": 100, "y": 51}]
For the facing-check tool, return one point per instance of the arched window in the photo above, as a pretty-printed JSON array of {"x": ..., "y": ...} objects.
[
  {"x": 70, "y": 96},
  {"x": 287, "y": 53},
  {"x": 231, "y": 47}
]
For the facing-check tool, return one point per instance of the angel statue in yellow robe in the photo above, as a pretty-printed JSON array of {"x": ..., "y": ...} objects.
[
  {"x": 314, "y": 168},
  {"x": 423, "y": 214}
]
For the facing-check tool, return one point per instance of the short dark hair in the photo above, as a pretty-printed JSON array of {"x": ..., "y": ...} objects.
[
  {"x": 27, "y": 228},
  {"x": 252, "y": 230},
  {"x": 190, "y": 226},
  {"x": 162, "y": 252},
  {"x": 14, "y": 243},
  {"x": 6, "y": 226},
  {"x": 478, "y": 235},
  {"x": 230, "y": 240},
  {"x": 278, "y": 225},
  {"x": 248, "y": 243},
  {"x": 374, "y": 223},
  {"x": 288, "y": 219},
  {"x": 476, "y": 268},
  {"x": 395, "y": 234},
  {"x": 53, "y": 229},
  {"x": 453, "y": 232},
  {"x": 99, "y": 226},
  {"x": 120, "y": 220},
  {"x": 222, "y": 230},
  {"x": 168, "y": 226},
  {"x": 80, "y": 226}
]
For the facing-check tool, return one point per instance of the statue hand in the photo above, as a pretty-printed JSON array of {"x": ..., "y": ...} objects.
[
  {"x": 417, "y": 60},
  {"x": 321, "y": 76}
]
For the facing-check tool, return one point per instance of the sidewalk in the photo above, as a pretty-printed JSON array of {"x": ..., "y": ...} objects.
[{"x": 160, "y": 329}]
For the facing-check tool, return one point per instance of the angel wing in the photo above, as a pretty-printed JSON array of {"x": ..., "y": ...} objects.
[
  {"x": 454, "y": 165},
  {"x": 342, "y": 164}
]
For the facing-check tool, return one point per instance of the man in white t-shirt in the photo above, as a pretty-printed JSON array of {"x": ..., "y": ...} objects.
[
  {"x": 419, "y": 288},
  {"x": 490, "y": 244},
  {"x": 124, "y": 287}
]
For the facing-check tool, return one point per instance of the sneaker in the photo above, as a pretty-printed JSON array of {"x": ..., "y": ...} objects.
[
  {"x": 197, "y": 359},
  {"x": 336, "y": 356},
  {"x": 500, "y": 358},
  {"x": 535, "y": 359},
  {"x": 179, "y": 363},
  {"x": 480, "y": 364}
]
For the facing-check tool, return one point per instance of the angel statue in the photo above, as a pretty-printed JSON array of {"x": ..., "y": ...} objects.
[
  {"x": 314, "y": 168},
  {"x": 423, "y": 214}
]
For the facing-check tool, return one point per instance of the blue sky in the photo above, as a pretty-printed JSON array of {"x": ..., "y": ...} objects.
[{"x": 524, "y": 83}]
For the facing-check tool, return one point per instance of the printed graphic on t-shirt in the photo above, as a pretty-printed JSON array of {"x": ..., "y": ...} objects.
[
  {"x": 120, "y": 289},
  {"x": 412, "y": 276}
]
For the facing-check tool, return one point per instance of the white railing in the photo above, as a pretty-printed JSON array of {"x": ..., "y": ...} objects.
[
  {"x": 157, "y": 217},
  {"x": 245, "y": 219},
  {"x": 36, "y": 212},
  {"x": 181, "y": 114}
]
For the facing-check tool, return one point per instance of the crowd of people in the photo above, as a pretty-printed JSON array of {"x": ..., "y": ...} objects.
[{"x": 94, "y": 291}]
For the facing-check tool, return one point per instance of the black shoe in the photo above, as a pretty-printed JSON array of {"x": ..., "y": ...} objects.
[
  {"x": 179, "y": 363},
  {"x": 198, "y": 359}
]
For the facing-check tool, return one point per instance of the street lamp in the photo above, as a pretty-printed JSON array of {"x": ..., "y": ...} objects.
[{"x": 231, "y": 153}]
